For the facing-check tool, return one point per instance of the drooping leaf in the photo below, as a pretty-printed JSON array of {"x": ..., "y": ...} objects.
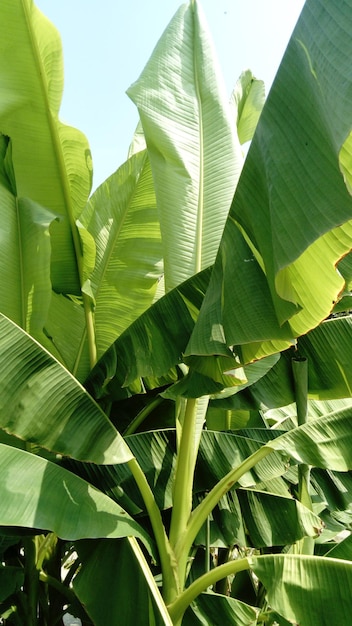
[
  {"x": 57, "y": 173},
  {"x": 220, "y": 452},
  {"x": 41, "y": 402},
  {"x": 323, "y": 442},
  {"x": 226, "y": 524},
  {"x": 334, "y": 488},
  {"x": 154, "y": 343},
  {"x": 217, "y": 610},
  {"x": 273, "y": 520},
  {"x": 306, "y": 589},
  {"x": 38, "y": 494},
  {"x": 192, "y": 142},
  {"x": 25, "y": 254},
  {"x": 289, "y": 223}
]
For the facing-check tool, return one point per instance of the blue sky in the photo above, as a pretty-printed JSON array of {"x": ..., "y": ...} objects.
[{"x": 107, "y": 43}]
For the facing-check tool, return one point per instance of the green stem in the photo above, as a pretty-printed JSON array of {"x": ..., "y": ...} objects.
[
  {"x": 182, "y": 493},
  {"x": 200, "y": 514},
  {"x": 142, "y": 415},
  {"x": 167, "y": 558},
  {"x": 207, "y": 545},
  {"x": 300, "y": 377},
  {"x": 66, "y": 592},
  {"x": 179, "y": 606}
]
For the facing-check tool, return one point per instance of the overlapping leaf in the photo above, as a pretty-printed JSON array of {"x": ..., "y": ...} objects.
[
  {"x": 95, "y": 585},
  {"x": 122, "y": 219},
  {"x": 25, "y": 252},
  {"x": 42, "y": 495},
  {"x": 220, "y": 609},
  {"x": 122, "y": 264},
  {"x": 51, "y": 161},
  {"x": 307, "y": 590},
  {"x": 289, "y": 221},
  {"x": 42, "y": 403}
]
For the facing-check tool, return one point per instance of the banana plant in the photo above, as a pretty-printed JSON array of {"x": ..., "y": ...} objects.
[{"x": 146, "y": 335}]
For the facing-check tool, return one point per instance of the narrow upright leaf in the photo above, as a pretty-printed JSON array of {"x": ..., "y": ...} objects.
[{"x": 192, "y": 142}]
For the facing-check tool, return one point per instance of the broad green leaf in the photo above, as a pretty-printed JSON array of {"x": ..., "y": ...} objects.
[
  {"x": 57, "y": 173},
  {"x": 287, "y": 416},
  {"x": 122, "y": 264},
  {"x": 232, "y": 419},
  {"x": 212, "y": 608},
  {"x": 324, "y": 442},
  {"x": 42, "y": 495},
  {"x": 273, "y": 520},
  {"x": 328, "y": 351},
  {"x": 334, "y": 488},
  {"x": 122, "y": 219},
  {"x": 220, "y": 452},
  {"x": 289, "y": 222},
  {"x": 154, "y": 343},
  {"x": 219, "y": 376},
  {"x": 25, "y": 253},
  {"x": 342, "y": 550},
  {"x": 155, "y": 452},
  {"x": 192, "y": 142},
  {"x": 69, "y": 339},
  {"x": 247, "y": 101},
  {"x": 11, "y": 580},
  {"x": 307, "y": 590},
  {"x": 109, "y": 571},
  {"x": 41, "y": 402},
  {"x": 226, "y": 524}
]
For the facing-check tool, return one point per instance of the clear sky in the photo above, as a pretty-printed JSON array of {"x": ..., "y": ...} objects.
[{"x": 107, "y": 43}]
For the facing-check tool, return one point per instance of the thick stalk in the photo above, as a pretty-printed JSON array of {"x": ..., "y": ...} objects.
[
  {"x": 171, "y": 586},
  {"x": 200, "y": 514},
  {"x": 179, "y": 606},
  {"x": 182, "y": 493}
]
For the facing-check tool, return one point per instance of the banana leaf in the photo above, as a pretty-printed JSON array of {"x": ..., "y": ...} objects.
[
  {"x": 56, "y": 174},
  {"x": 220, "y": 610},
  {"x": 42, "y": 403},
  {"x": 342, "y": 550},
  {"x": 247, "y": 101},
  {"x": 289, "y": 222},
  {"x": 273, "y": 520},
  {"x": 122, "y": 264},
  {"x": 107, "y": 569},
  {"x": 323, "y": 442},
  {"x": 25, "y": 253},
  {"x": 192, "y": 142},
  {"x": 38, "y": 494},
  {"x": 306, "y": 589}
]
